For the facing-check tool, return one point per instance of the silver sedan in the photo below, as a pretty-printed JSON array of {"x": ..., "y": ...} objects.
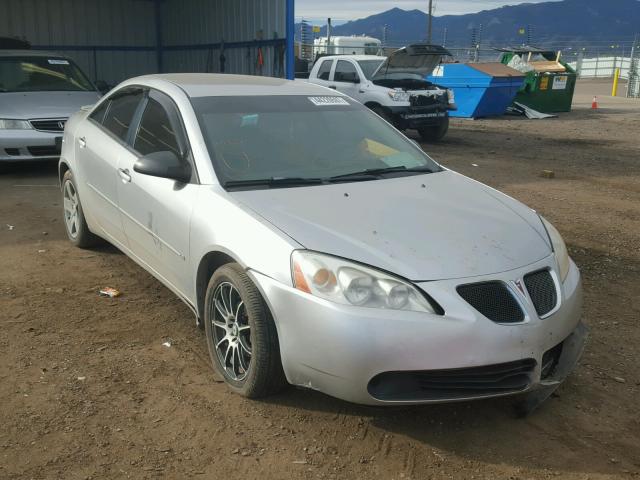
[{"x": 319, "y": 246}]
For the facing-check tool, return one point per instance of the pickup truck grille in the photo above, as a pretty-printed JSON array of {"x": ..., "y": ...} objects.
[{"x": 423, "y": 101}]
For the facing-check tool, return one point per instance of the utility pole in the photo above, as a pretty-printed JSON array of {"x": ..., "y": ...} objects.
[{"x": 430, "y": 26}]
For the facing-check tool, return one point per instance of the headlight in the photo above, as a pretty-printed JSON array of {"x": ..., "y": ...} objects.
[
  {"x": 7, "y": 124},
  {"x": 451, "y": 96},
  {"x": 559, "y": 248},
  {"x": 398, "y": 95},
  {"x": 349, "y": 283}
]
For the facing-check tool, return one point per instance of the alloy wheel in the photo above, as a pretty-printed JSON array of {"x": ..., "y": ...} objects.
[
  {"x": 70, "y": 200},
  {"x": 231, "y": 331}
]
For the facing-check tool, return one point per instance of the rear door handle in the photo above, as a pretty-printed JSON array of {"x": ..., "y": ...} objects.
[
  {"x": 124, "y": 175},
  {"x": 333, "y": 86},
  {"x": 83, "y": 142}
]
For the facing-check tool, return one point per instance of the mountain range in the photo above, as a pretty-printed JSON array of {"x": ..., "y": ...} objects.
[{"x": 567, "y": 22}]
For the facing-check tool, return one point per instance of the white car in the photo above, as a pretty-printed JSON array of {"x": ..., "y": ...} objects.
[
  {"x": 319, "y": 246},
  {"x": 394, "y": 87},
  {"x": 39, "y": 91}
]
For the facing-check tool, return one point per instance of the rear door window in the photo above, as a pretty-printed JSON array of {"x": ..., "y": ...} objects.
[
  {"x": 324, "y": 70},
  {"x": 124, "y": 104}
]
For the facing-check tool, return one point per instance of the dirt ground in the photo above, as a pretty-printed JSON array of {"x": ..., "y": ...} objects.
[{"x": 87, "y": 390}]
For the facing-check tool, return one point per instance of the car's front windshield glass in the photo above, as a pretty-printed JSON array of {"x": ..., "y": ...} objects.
[
  {"x": 41, "y": 74},
  {"x": 369, "y": 67},
  {"x": 301, "y": 137}
]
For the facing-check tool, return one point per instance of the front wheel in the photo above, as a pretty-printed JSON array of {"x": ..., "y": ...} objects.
[
  {"x": 435, "y": 133},
  {"x": 241, "y": 334},
  {"x": 75, "y": 224}
]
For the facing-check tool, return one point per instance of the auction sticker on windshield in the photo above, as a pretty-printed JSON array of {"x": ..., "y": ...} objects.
[{"x": 322, "y": 101}]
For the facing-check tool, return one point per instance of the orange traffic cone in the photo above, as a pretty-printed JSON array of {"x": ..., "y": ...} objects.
[{"x": 594, "y": 104}]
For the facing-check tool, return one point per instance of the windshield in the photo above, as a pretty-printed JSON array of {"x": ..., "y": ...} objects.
[
  {"x": 369, "y": 67},
  {"x": 301, "y": 137},
  {"x": 41, "y": 74}
]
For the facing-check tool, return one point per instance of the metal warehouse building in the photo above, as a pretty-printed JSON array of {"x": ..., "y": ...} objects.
[{"x": 117, "y": 39}]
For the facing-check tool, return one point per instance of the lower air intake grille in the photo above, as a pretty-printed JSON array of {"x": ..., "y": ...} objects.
[
  {"x": 493, "y": 300},
  {"x": 453, "y": 384},
  {"x": 542, "y": 291},
  {"x": 53, "y": 125},
  {"x": 44, "y": 151}
]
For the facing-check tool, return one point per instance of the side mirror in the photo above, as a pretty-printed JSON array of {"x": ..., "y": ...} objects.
[{"x": 164, "y": 165}]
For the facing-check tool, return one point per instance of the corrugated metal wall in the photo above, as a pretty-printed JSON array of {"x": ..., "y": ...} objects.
[
  {"x": 210, "y": 22},
  {"x": 88, "y": 23},
  {"x": 113, "y": 40}
]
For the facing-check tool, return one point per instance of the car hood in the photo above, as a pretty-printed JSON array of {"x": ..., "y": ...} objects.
[
  {"x": 414, "y": 61},
  {"x": 29, "y": 105},
  {"x": 426, "y": 227}
]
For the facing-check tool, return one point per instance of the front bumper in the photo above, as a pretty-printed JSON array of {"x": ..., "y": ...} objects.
[
  {"x": 21, "y": 145},
  {"x": 418, "y": 117},
  {"x": 338, "y": 349}
]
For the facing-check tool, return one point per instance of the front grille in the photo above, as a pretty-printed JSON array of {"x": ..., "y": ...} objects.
[
  {"x": 44, "y": 151},
  {"x": 453, "y": 384},
  {"x": 542, "y": 291},
  {"x": 422, "y": 101},
  {"x": 493, "y": 300},
  {"x": 49, "y": 125}
]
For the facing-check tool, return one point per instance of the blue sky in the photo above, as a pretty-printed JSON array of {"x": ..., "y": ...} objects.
[{"x": 353, "y": 9}]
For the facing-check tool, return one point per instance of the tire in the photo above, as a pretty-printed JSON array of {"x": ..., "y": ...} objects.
[
  {"x": 73, "y": 216},
  {"x": 435, "y": 134},
  {"x": 382, "y": 113},
  {"x": 246, "y": 355}
]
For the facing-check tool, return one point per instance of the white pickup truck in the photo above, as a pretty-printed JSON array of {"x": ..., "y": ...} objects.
[{"x": 394, "y": 87}]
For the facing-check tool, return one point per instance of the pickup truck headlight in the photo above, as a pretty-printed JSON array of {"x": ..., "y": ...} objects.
[
  {"x": 9, "y": 124},
  {"x": 451, "y": 96},
  {"x": 348, "y": 283},
  {"x": 398, "y": 95},
  {"x": 559, "y": 248}
]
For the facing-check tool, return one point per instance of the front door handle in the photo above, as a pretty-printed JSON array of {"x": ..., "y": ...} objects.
[
  {"x": 124, "y": 175},
  {"x": 82, "y": 142},
  {"x": 333, "y": 86}
]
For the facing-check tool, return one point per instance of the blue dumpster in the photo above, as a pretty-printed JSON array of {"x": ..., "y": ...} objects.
[{"x": 481, "y": 89}]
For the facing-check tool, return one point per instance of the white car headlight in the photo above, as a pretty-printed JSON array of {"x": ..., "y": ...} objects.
[
  {"x": 559, "y": 248},
  {"x": 341, "y": 281},
  {"x": 9, "y": 124},
  {"x": 398, "y": 95}
]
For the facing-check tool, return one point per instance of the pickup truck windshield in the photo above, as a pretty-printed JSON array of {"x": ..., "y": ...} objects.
[
  {"x": 41, "y": 74},
  {"x": 369, "y": 67},
  {"x": 275, "y": 141}
]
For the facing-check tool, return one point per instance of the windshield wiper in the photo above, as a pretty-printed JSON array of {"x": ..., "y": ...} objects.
[
  {"x": 273, "y": 182},
  {"x": 376, "y": 172}
]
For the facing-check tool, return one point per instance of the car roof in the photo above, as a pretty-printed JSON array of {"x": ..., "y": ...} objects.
[
  {"x": 29, "y": 53},
  {"x": 219, "y": 85}
]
